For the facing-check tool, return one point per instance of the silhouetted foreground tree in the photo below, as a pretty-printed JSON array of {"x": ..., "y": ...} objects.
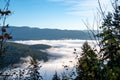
[
  {"x": 107, "y": 67},
  {"x": 56, "y": 77},
  {"x": 110, "y": 42},
  {"x": 34, "y": 70},
  {"x": 4, "y": 35},
  {"x": 88, "y": 67}
]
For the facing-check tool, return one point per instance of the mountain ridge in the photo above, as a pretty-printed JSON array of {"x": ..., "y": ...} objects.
[{"x": 28, "y": 33}]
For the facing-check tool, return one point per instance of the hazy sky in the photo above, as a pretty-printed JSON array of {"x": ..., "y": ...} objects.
[{"x": 60, "y": 14}]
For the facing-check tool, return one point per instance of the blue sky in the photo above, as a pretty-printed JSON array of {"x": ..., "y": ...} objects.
[{"x": 55, "y": 14}]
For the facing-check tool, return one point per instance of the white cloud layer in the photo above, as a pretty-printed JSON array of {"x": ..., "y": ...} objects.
[{"x": 63, "y": 49}]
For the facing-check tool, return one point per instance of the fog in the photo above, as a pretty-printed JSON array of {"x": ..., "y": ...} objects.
[{"x": 62, "y": 52}]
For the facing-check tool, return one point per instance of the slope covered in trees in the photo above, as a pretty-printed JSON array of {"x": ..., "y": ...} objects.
[{"x": 16, "y": 51}]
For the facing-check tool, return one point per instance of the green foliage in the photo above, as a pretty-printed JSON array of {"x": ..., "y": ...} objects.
[
  {"x": 87, "y": 66},
  {"x": 111, "y": 34},
  {"x": 110, "y": 42},
  {"x": 107, "y": 66}
]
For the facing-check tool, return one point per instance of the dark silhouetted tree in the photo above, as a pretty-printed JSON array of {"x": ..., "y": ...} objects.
[
  {"x": 110, "y": 42},
  {"x": 87, "y": 67},
  {"x": 4, "y": 35},
  {"x": 56, "y": 77},
  {"x": 34, "y": 70}
]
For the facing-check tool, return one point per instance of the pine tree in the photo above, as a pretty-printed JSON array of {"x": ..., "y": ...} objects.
[
  {"x": 34, "y": 70},
  {"x": 56, "y": 77},
  {"x": 87, "y": 66},
  {"x": 110, "y": 41}
]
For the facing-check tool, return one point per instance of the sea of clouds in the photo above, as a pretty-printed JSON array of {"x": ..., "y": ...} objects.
[{"x": 62, "y": 52}]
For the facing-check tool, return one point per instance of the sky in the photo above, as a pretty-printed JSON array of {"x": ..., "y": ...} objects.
[{"x": 53, "y": 14}]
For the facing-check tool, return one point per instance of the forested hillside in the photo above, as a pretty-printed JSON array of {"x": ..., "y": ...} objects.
[{"x": 14, "y": 53}]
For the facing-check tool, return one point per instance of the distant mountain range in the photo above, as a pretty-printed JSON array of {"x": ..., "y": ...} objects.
[{"x": 27, "y": 33}]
